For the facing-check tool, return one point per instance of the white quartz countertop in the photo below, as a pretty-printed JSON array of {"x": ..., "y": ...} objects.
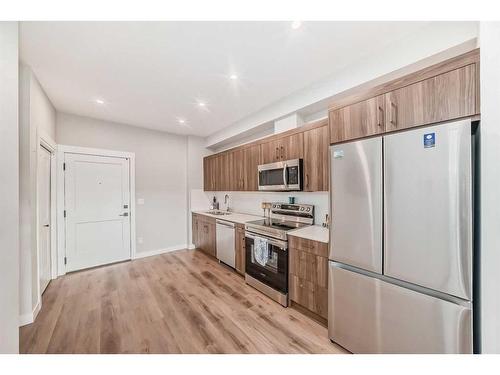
[
  {"x": 313, "y": 232},
  {"x": 234, "y": 217}
]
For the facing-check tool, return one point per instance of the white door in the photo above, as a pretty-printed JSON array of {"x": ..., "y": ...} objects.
[
  {"x": 44, "y": 217},
  {"x": 97, "y": 201}
]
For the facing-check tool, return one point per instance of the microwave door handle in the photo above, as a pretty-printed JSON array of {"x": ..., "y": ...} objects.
[{"x": 285, "y": 175}]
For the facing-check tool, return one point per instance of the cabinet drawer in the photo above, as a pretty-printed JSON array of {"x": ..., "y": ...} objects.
[
  {"x": 310, "y": 246},
  {"x": 309, "y": 295},
  {"x": 309, "y": 267}
]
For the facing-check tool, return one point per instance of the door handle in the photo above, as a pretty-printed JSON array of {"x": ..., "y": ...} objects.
[
  {"x": 124, "y": 214},
  {"x": 394, "y": 114},
  {"x": 381, "y": 116}
]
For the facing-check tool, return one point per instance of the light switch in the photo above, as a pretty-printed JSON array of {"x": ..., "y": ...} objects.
[{"x": 140, "y": 201}]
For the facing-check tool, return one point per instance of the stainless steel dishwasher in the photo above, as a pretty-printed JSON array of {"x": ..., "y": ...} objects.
[{"x": 225, "y": 242}]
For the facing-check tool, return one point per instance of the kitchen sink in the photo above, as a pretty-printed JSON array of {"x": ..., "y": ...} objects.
[{"x": 218, "y": 213}]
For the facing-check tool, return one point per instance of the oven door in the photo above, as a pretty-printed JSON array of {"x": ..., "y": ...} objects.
[
  {"x": 273, "y": 270},
  {"x": 283, "y": 175}
]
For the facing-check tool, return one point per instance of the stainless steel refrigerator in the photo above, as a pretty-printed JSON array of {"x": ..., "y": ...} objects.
[{"x": 401, "y": 249}]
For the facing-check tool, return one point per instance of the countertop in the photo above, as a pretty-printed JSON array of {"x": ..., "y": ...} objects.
[
  {"x": 234, "y": 217},
  {"x": 313, "y": 232}
]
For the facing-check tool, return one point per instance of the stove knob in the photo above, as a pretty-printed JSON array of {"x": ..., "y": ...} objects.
[
  {"x": 274, "y": 206},
  {"x": 302, "y": 208},
  {"x": 308, "y": 209}
]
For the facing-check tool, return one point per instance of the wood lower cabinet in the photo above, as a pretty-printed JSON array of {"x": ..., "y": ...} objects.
[
  {"x": 204, "y": 232},
  {"x": 239, "y": 247},
  {"x": 357, "y": 120},
  {"x": 444, "y": 97},
  {"x": 316, "y": 174},
  {"x": 308, "y": 275}
]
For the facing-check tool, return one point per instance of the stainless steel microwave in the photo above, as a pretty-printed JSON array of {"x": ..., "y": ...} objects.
[{"x": 281, "y": 176}]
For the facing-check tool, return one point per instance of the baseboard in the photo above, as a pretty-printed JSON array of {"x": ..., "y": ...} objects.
[
  {"x": 191, "y": 247},
  {"x": 159, "y": 251},
  {"x": 30, "y": 317}
]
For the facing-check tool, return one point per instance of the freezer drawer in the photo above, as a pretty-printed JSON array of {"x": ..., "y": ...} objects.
[
  {"x": 368, "y": 315},
  {"x": 428, "y": 207},
  {"x": 356, "y": 204}
]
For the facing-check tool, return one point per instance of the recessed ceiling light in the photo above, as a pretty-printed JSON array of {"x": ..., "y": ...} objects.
[
  {"x": 202, "y": 104},
  {"x": 181, "y": 121},
  {"x": 296, "y": 24},
  {"x": 99, "y": 101},
  {"x": 233, "y": 77}
]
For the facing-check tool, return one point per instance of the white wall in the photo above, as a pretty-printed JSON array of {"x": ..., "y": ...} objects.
[
  {"x": 490, "y": 180},
  {"x": 394, "y": 61},
  {"x": 36, "y": 120},
  {"x": 9, "y": 189},
  {"x": 161, "y": 175}
]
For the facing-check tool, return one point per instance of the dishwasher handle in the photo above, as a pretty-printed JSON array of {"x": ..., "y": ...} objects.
[{"x": 225, "y": 223}]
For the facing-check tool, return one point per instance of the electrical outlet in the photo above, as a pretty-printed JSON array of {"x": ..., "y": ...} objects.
[{"x": 140, "y": 240}]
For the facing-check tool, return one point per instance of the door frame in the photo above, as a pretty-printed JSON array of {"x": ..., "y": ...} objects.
[{"x": 61, "y": 227}]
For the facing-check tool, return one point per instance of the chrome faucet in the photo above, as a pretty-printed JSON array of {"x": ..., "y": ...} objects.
[{"x": 226, "y": 201}]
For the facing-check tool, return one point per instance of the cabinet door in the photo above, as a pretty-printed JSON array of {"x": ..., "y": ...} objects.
[
  {"x": 271, "y": 152},
  {"x": 251, "y": 160},
  {"x": 236, "y": 160},
  {"x": 357, "y": 120},
  {"x": 223, "y": 172},
  {"x": 291, "y": 147},
  {"x": 194, "y": 230},
  {"x": 444, "y": 97},
  {"x": 240, "y": 249},
  {"x": 316, "y": 159},
  {"x": 209, "y": 173}
]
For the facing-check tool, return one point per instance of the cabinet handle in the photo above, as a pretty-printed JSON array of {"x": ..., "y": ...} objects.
[
  {"x": 281, "y": 152},
  {"x": 277, "y": 153},
  {"x": 307, "y": 180},
  {"x": 394, "y": 114},
  {"x": 381, "y": 116}
]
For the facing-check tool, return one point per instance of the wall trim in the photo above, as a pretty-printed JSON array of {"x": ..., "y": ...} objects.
[
  {"x": 30, "y": 317},
  {"x": 145, "y": 254},
  {"x": 191, "y": 247}
]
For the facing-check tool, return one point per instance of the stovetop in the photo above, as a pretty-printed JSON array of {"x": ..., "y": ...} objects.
[{"x": 277, "y": 224}]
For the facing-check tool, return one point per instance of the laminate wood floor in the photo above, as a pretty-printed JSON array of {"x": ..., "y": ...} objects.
[{"x": 179, "y": 302}]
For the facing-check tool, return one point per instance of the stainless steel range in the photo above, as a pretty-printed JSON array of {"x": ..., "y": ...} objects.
[{"x": 266, "y": 263}]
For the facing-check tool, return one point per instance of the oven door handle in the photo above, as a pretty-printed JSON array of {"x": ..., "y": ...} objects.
[
  {"x": 282, "y": 245},
  {"x": 285, "y": 175}
]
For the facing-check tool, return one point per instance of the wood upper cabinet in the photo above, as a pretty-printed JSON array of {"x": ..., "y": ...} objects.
[
  {"x": 237, "y": 182},
  {"x": 270, "y": 151},
  {"x": 251, "y": 160},
  {"x": 285, "y": 148},
  {"x": 292, "y": 147},
  {"x": 224, "y": 171},
  {"x": 316, "y": 159},
  {"x": 444, "y": 97},
  {"x": 210, "y": 173},
  {"x": 357, "y": 120}
]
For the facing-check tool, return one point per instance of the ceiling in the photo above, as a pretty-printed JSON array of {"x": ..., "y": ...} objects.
[{"x": 151, "y": 74}]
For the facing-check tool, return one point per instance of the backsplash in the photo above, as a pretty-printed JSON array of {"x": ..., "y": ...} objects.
[{"x": 249, "y": 202}]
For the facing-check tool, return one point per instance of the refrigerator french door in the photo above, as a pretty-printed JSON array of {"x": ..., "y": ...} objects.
[{"x": 400, "y": 273}]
